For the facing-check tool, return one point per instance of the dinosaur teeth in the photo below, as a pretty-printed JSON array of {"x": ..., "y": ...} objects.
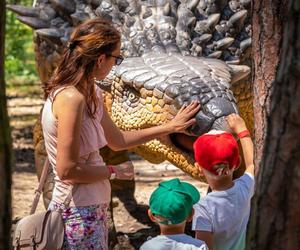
[
  {"x": 34, "y": 22},
  {"x": 24, "y": 11},
  {"x": 53, "y": 35}
]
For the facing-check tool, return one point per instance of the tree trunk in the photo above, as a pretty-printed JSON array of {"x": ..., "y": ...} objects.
[
  {"x": 5, "y": 147},
  {"x": 267, "y": 23},
  {"x": 275, "y": 222}
]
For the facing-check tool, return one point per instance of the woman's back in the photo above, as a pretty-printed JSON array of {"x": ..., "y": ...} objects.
[{"x": 91, "y": 139}]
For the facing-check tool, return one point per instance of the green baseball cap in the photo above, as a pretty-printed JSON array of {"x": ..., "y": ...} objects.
[{"x": 173, "y": 200}]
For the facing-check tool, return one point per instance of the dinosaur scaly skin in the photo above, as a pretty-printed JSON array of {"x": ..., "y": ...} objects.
[
  {"x": 165, "y": 43},
  {"x": 149, "y": 90}
]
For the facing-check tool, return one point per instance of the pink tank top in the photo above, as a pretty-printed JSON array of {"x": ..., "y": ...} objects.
[{"x": 92, "y": 138}]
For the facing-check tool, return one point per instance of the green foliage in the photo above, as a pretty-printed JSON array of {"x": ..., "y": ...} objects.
[{"x": 19, "y": 52}]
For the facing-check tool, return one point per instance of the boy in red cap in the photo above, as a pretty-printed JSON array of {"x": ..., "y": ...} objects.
[
  {"x": 171, "y": 206},
  {"x": 221, "y": 217}
]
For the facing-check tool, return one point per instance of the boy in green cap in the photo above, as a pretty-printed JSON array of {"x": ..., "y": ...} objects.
[{"x": 171, "y": 206}]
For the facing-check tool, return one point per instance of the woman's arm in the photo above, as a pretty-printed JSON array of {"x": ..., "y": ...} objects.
[
  {"x": 119, "y": 140},
  {"x": 68, "y": 108}
]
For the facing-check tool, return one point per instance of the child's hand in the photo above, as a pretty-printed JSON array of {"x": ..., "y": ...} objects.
[{"x": 236, "y": 123}]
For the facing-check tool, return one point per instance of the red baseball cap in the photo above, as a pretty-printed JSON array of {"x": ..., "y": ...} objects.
[{"x": 214, "y": 149}]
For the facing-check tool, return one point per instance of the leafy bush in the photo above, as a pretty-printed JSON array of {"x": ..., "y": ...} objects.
[{"x": 19, "y": 52}]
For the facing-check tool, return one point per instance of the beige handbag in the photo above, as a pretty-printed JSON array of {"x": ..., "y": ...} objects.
[{"x": 43, "y": 230}]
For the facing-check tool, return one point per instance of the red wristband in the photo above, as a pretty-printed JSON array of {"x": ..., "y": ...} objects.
[
  {"x": 112, "y": 172},
  {"x": 243, "y": 134},
  {"x": 111, "y": 169}
]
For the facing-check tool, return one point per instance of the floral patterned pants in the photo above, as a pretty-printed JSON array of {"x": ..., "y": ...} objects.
[{"x": 85, "y": 227}]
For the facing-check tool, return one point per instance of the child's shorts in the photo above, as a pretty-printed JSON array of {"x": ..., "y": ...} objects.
[{"x": 85, "y": 227}]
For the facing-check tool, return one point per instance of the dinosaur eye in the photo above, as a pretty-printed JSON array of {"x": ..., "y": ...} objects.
[{"x": 131, "y": 96}]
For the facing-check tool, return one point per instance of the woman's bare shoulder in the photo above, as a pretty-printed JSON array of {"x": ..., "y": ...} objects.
[
  {"x": 69, "y": 95},
  {"x": 68, "y": 100}
]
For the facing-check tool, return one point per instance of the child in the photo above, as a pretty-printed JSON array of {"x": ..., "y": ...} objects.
[
  {"x": 171, "y": 206},
  {"x": 221, "y": 217}
]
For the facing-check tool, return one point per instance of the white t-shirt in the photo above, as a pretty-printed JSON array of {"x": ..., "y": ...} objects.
[
  {"x": 174, "y": 242},
  {"x": 226, "y": 214}
]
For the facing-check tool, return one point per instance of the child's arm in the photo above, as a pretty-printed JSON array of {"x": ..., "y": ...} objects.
[
  {"x": 247, "y": 146},
  {"x": 237, "y": 124},
  {"x": 205, "y": 236}
]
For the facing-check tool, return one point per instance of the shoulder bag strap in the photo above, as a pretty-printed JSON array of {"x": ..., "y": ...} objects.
[{"x": 39, "y": 190}]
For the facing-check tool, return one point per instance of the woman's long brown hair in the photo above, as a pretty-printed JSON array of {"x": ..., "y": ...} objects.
[{"x": 88, "y": 41}]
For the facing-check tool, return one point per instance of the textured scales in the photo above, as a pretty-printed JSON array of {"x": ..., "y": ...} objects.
[
  {"x": 162, "y": 84},
  {"x": 164, "y": 42},
  {"x": 149, "y": 90}
]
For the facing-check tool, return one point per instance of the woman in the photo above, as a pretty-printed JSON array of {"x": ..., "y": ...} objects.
[{"x": 76, "y": 124}]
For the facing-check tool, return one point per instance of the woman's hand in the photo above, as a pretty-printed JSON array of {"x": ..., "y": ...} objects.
[
  {"x": 184, "y": 119},
  {"x": 124, "y": 171},
  {"x": 236, "y": 123}
]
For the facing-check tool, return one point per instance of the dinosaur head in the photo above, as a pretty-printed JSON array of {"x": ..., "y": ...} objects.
[{"x": 147, "y": 91}]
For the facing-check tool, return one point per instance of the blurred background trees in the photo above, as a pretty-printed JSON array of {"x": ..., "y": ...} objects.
[{"x": 19, "y": 52}]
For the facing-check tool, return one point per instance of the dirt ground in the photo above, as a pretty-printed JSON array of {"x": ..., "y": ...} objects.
[{"x": 132, "y": 224}]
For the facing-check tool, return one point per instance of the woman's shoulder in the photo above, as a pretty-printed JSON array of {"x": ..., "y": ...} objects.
[
  {"x": 70, "y": 94},
  {"x": 68, "y": 99}
]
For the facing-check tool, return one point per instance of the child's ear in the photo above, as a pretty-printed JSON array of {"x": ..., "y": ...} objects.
[
  {"x": 190, "y": 217},
  {"x": 200, "y": 169},
  {"x": 240, "y": 163},
  {"x": 151, "y": 216}
]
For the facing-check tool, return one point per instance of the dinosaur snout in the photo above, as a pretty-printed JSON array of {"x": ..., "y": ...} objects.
[
  {"x": 212, "y": 116},
  {"x": 216, "y": 100}
]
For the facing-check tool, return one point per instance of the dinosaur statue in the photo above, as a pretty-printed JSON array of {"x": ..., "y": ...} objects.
[{"x": 175, "y": 52}]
